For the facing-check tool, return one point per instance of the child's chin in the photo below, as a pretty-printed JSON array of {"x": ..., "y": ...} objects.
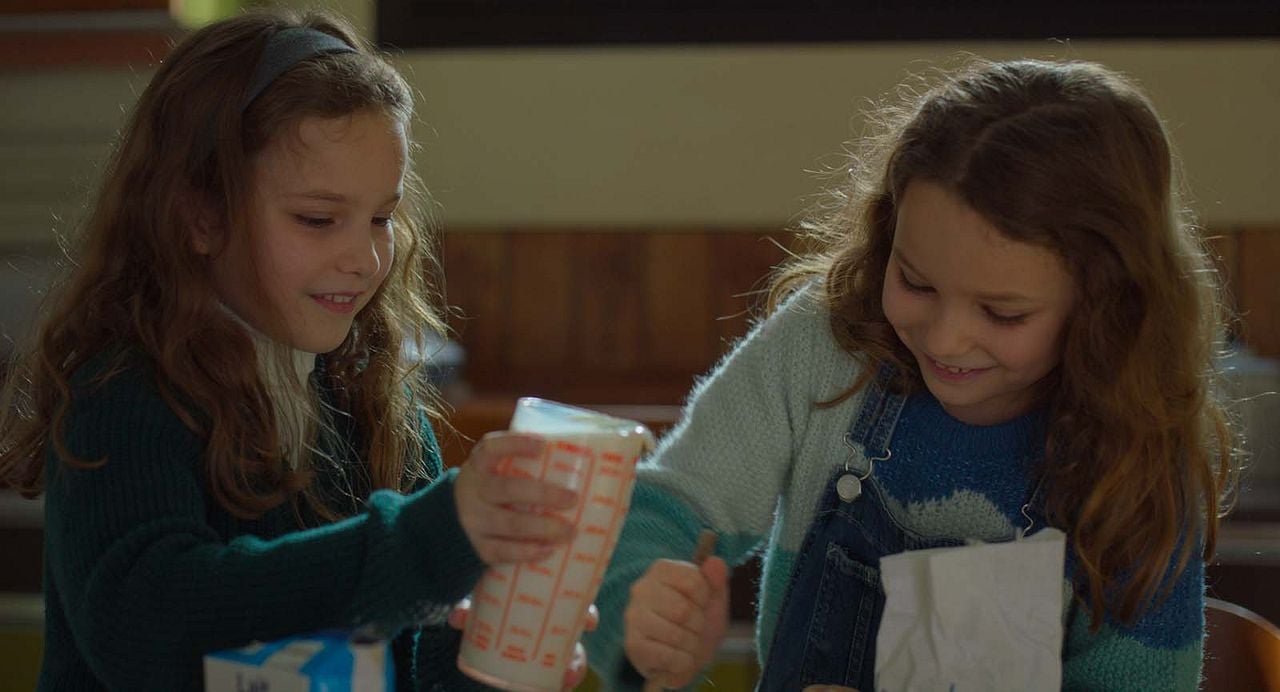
[
  {"x": 320, "y": 344},
  {"x": 946, "y": 393}
]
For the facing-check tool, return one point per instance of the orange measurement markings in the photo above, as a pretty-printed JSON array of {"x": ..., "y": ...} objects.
[
  {"x": 619, "y": 503},
  {"x": 486, "y": 597},
  {"x": 529, "y": 599},
  {"x": 613, "y": 472},
  {"x": 496, "y": 575},
  {"x": 559, "y": 631},
  {"x": 571, "y": 593},
  {"x": 482, "y": 626},
  {"x": 595, "y": 530},
  {"x": 564, "y": 561},
  {"x": 563, "y": 467},
  {"x": 604, "y": 501},
  {"x": 584, "y": 558},
  {"x": 515, "y": 653},
  {"x": 548, "y": 660},
  {"x": 521, "y": 631},
  {"x": 481, "y": 642},
  {"x": 565, "y": 446},
  {"x": 539, "y": 568},
  {"x": 612, "y": 457},
  {"x": 515, "y": 577},
  {"x": 518, "y": 472}
]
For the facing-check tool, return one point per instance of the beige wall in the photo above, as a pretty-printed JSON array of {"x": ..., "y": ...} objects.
[
  {"x": 726, "y": 135},
  {"x": 643, "y": 136}
]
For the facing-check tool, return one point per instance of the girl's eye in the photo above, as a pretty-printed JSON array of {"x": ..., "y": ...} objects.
[
  {"x": 313, "y": 221},
  {"x": 1007, "y": 320},
  {"x": 914, "y": 288},
  {"x": 382, "y": 221}
]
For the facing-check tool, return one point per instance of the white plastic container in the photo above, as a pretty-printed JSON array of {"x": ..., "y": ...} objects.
[{"x": 526, "y": 619}]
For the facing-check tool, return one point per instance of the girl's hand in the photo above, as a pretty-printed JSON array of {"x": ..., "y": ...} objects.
[
  {"x": 676, "y": 619},
  {"x": 508, "y": 518},
  {"x": 577, "y": 667}
]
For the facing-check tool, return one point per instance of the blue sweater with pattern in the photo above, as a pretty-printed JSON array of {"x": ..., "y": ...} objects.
[{"x": 753, "y": 453}]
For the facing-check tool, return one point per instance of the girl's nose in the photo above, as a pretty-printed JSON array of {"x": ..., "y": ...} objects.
[
  {"x": 947, "y": 335},
  {"x": 362, "y": 255}
]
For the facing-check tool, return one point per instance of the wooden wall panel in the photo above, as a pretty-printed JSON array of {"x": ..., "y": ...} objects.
[
  {"x": 1224, "y": 249},
  {"x": 740, "y": 266},
  {"x": 626, "y": 317},
  {"x": 540, "y": 286},
  {"x": 1258, "y": 289},
  {"x": 28, "y": 50},
  {"x": 138, "y": 33},
  {"x": 476, "y": 267},
  {"x": 677, "y": 334},
  {"x": 607, "y": 304},
  {"x": 1225, "y": 252},
  {"x": 632, "y": 317}
]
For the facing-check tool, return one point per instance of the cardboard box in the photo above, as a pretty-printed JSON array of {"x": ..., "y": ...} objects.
[{"x": 327, "y": 661}]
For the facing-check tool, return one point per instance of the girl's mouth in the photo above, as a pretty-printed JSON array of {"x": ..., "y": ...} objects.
[
  {"x": 338, "y": 303},
  {"x": 952, "y": 373}
]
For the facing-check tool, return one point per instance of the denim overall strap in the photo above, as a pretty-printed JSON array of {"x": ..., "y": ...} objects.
[
  {"x": 878, "y": 404},
  {"x": 831, "y": 613}
]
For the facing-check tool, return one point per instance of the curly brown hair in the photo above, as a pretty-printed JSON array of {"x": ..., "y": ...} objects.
[
  {"x": 137, "y": 282},
  {"x": 1071, "y": 157}
]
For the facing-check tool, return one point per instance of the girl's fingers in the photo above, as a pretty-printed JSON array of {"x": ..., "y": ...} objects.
[
  {"x": 661, "y": 663},
  {"x": 684, "y": 577},
  {"x": 458, "y": 616},
  {"x": 499, "y": 551},
  {"x": 676, "y": 608},
  {"x": 509, "y": 490},
  {"x": 577, "y": 668},
  {"x": 653, "y": 627},
  {"x": 507, "y": 524},
  {"x": 593, "y": 618},
  {"x": 489, "y": 452}
]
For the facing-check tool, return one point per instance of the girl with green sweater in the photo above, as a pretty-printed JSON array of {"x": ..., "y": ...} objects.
[{"x": 231, "y": 445}]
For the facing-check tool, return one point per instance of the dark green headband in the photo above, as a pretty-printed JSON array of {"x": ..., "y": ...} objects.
[{"x": 287, "y": 48}]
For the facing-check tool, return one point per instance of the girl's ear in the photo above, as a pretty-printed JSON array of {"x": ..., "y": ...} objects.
[
  {"x": 201, "y": 235},
  {"x": 204, "y": 224}
]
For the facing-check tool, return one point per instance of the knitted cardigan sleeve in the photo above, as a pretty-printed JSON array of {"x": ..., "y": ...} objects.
[
  {"x": 148, "y": 587},
  {"x": 435, "y": 644},
  {"x": 723, "y": 467}
]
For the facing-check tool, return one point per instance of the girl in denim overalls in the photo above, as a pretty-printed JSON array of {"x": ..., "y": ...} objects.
[{"x": 1007, "y": 321}]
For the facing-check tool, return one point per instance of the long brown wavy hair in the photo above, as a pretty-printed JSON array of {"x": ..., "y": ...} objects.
[
  {"x": 1071, "y": 157},
  {"x": 139, "y": 287}
]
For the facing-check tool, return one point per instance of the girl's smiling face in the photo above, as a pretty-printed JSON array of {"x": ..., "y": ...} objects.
[
  {"x": 321, "y": 237},
  {"x": 982, "y": 314}
]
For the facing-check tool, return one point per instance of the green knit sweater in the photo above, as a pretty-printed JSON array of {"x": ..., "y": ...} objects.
[{"x": 144, "y": 572}]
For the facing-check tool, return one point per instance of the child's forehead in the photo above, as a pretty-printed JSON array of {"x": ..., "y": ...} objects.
[
  {"x": 366, "y": 146},
  {"x": 316, "y": 134},
  {"x": 939, "y": 235}
]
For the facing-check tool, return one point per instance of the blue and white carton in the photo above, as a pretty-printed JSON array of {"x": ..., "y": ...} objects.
[{"x": 326, "y": 661}]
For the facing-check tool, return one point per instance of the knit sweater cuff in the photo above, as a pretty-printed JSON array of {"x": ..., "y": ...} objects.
[
  {"x": 454, "y": 566},
  {"x": 425, "y": 569}
]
